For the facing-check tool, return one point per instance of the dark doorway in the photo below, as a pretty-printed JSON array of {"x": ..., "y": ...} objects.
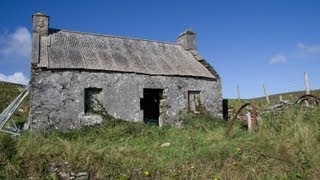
[
  {"x": 150, "y": 104},
  {"x": 225, "y": 109}
]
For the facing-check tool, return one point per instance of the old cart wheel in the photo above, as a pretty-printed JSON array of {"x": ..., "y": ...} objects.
[
  {"x": 249, "y": 109},
  {"x": 309, "y": 101}
]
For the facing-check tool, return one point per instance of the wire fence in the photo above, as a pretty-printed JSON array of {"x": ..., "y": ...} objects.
[{"x": 289, "y": 86}]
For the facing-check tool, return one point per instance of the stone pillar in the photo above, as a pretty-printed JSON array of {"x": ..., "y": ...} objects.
[
  {"x": 40, "y": 24},
  {"x": 187, "y": 39}
]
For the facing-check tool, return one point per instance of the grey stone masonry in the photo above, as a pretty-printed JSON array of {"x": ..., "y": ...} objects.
[
  {"x": 187, "y": 39},
  {"x": 40, "y": 24},
  {"x": 57, "y": 98}
]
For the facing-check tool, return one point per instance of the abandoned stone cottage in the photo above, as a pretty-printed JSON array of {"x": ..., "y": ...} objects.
[{"x": 78, "y": 77}]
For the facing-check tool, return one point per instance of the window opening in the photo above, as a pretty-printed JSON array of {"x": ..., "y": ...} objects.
[
  {"x": 194, "y": 102},
  {"x": 92, "y": 101}
]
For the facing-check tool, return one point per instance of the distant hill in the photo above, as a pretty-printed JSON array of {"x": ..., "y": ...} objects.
[
  {"x": 10, "y": 83},
  {"x": 291, "y": 96},
  {"x": 261, "y": 102}
]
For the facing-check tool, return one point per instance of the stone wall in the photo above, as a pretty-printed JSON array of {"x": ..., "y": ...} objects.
[{"x": 57, "y": 97}]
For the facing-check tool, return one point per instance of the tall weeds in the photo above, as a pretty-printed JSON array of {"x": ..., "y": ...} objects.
[{"x": 285, "y": 145}]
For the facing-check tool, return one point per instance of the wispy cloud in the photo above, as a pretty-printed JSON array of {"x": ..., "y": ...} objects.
[
  {"x": 304, "y": 51},
  {"x": 16, "y": 44},
  {"x": 278, "y": 58},
  {"x": 17, "y": 77}
]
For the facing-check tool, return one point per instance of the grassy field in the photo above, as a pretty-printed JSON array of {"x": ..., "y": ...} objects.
[{"x": 286, "y": 145}]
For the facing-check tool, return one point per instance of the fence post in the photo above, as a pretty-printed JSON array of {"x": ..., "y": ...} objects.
[
  {"x": 265, "y": 93},
  {"x": 249, "y": 121},
  {"x": 306, "y": 82}
]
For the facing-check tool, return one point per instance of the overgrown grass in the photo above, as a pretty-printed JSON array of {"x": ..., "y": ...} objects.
[{"x": 286, "y": 145}]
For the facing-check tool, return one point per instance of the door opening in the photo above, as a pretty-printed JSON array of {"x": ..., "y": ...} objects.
[{"x": 150, "y": 104}]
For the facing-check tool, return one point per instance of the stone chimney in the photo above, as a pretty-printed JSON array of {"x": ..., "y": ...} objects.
[
  {"x": 40, "y": 23},
  {"x": 187, "y": 39}
]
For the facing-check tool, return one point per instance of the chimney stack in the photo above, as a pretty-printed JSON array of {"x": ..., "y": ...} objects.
[
  {"x": 187, "y": 39},
  {"x": 40, "y": 23}
]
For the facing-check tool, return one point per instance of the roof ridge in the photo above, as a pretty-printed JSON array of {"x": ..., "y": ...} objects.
[{"x": 113, "y": 36}]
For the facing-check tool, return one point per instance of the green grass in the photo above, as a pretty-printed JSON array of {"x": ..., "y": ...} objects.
[{"x": 286, "y": 145}]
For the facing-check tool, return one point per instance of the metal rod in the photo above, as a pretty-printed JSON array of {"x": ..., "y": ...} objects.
[{"x": 8, "y": 112}]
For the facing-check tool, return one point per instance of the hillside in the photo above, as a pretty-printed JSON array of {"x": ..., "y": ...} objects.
[
  {"x": 291, "y": 96},
  {"x": 261, "y": 102}
]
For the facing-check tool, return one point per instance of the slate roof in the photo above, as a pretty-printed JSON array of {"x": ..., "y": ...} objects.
[{"x": 63, "y": 49}]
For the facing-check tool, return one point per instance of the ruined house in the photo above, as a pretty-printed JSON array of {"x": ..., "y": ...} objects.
[{"x": 78, "y": 78}]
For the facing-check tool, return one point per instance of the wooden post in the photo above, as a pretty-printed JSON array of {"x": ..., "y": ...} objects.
[
  {"x": 249, "y": 121},
  {"x": 306, "y": 82},
  {"x": 238, "y": 91},
  {"x": 280, "y": 98},
  {"x": 265, "y": 93}
]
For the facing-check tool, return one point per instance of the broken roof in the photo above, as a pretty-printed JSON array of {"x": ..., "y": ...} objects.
[{"x": 62, "y": 49}]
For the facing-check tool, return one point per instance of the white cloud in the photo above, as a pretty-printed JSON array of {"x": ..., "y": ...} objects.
[
  {"x": 17, "y": 77},
  {"x": 302, "y": 51},
  {"x": 16, "y": 44},
  {"x": 306, "y": 51},
  {"x": 278, "y": 58}
]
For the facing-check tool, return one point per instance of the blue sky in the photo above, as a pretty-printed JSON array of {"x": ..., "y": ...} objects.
[{"x": 248, "y": 42}]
